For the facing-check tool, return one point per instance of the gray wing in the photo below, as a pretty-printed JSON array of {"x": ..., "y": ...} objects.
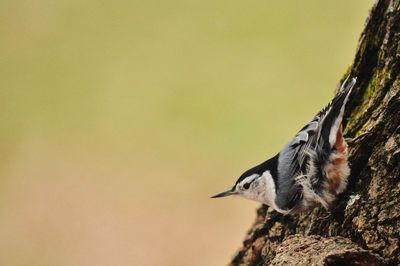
[
  {"x": 318, "y": 138},
  {"x": 292, "y": 162}
]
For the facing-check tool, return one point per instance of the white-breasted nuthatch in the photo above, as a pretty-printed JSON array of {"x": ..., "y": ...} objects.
[{"x": 312, "y": 168}]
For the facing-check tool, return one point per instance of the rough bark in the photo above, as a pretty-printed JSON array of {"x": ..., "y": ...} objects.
[
  {"x": 367, "y": 215},
  {"x": 316, "y": 250}
]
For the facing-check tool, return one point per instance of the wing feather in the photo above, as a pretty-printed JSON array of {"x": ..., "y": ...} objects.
[{"x": 314, "y": 138}]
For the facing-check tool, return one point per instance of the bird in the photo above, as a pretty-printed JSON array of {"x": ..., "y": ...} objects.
[{"x": 310, "y": 169}]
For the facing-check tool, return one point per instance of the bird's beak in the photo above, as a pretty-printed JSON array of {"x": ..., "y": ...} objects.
[{"x": 229, "y": 192}]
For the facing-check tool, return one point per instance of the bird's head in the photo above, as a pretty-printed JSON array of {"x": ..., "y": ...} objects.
[
  {"x": 256, "y": 184},
  {"x": 249, "y": 186}
]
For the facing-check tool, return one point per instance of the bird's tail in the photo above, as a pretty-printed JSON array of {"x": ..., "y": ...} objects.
[
  {"x": 334, "y": 116},
  {"x": 330, "y": 125},
  {"x": 346, "y": 88}
]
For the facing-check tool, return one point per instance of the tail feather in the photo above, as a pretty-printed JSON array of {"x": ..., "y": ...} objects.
[
  {"x": 334, "y": 115},
  {"x": 330, "y": 125},
  {"x": 348, "y": 85},
  {"x": 333, "y": 120}
]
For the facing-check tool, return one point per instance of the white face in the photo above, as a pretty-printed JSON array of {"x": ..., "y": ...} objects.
[
  {"x": 258, "y": 188},
  {"x": 249, "y": 187}
]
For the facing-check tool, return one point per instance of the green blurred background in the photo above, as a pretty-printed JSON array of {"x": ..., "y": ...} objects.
[{"x": 120, "y": 118}]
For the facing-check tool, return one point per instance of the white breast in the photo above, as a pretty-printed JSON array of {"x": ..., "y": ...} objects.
[{"x": 267, "y": 196}]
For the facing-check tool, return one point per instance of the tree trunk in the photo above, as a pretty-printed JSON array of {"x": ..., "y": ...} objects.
[{"x": 363, "y": 225}]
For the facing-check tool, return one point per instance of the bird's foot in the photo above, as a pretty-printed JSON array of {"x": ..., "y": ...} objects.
[{"x": 353, "y": 141}]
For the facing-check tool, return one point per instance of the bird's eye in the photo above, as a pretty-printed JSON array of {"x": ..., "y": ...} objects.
[{"x": 246, "y": 186}]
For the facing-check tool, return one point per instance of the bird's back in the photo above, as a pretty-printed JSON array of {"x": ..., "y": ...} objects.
[{"x": 315, "y": 159}]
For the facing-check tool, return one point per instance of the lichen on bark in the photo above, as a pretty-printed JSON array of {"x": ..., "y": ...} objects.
[{"x": 368, "y": 213}]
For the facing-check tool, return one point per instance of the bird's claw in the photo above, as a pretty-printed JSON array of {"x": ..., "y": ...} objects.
[{"x": 353, "y": 141}]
